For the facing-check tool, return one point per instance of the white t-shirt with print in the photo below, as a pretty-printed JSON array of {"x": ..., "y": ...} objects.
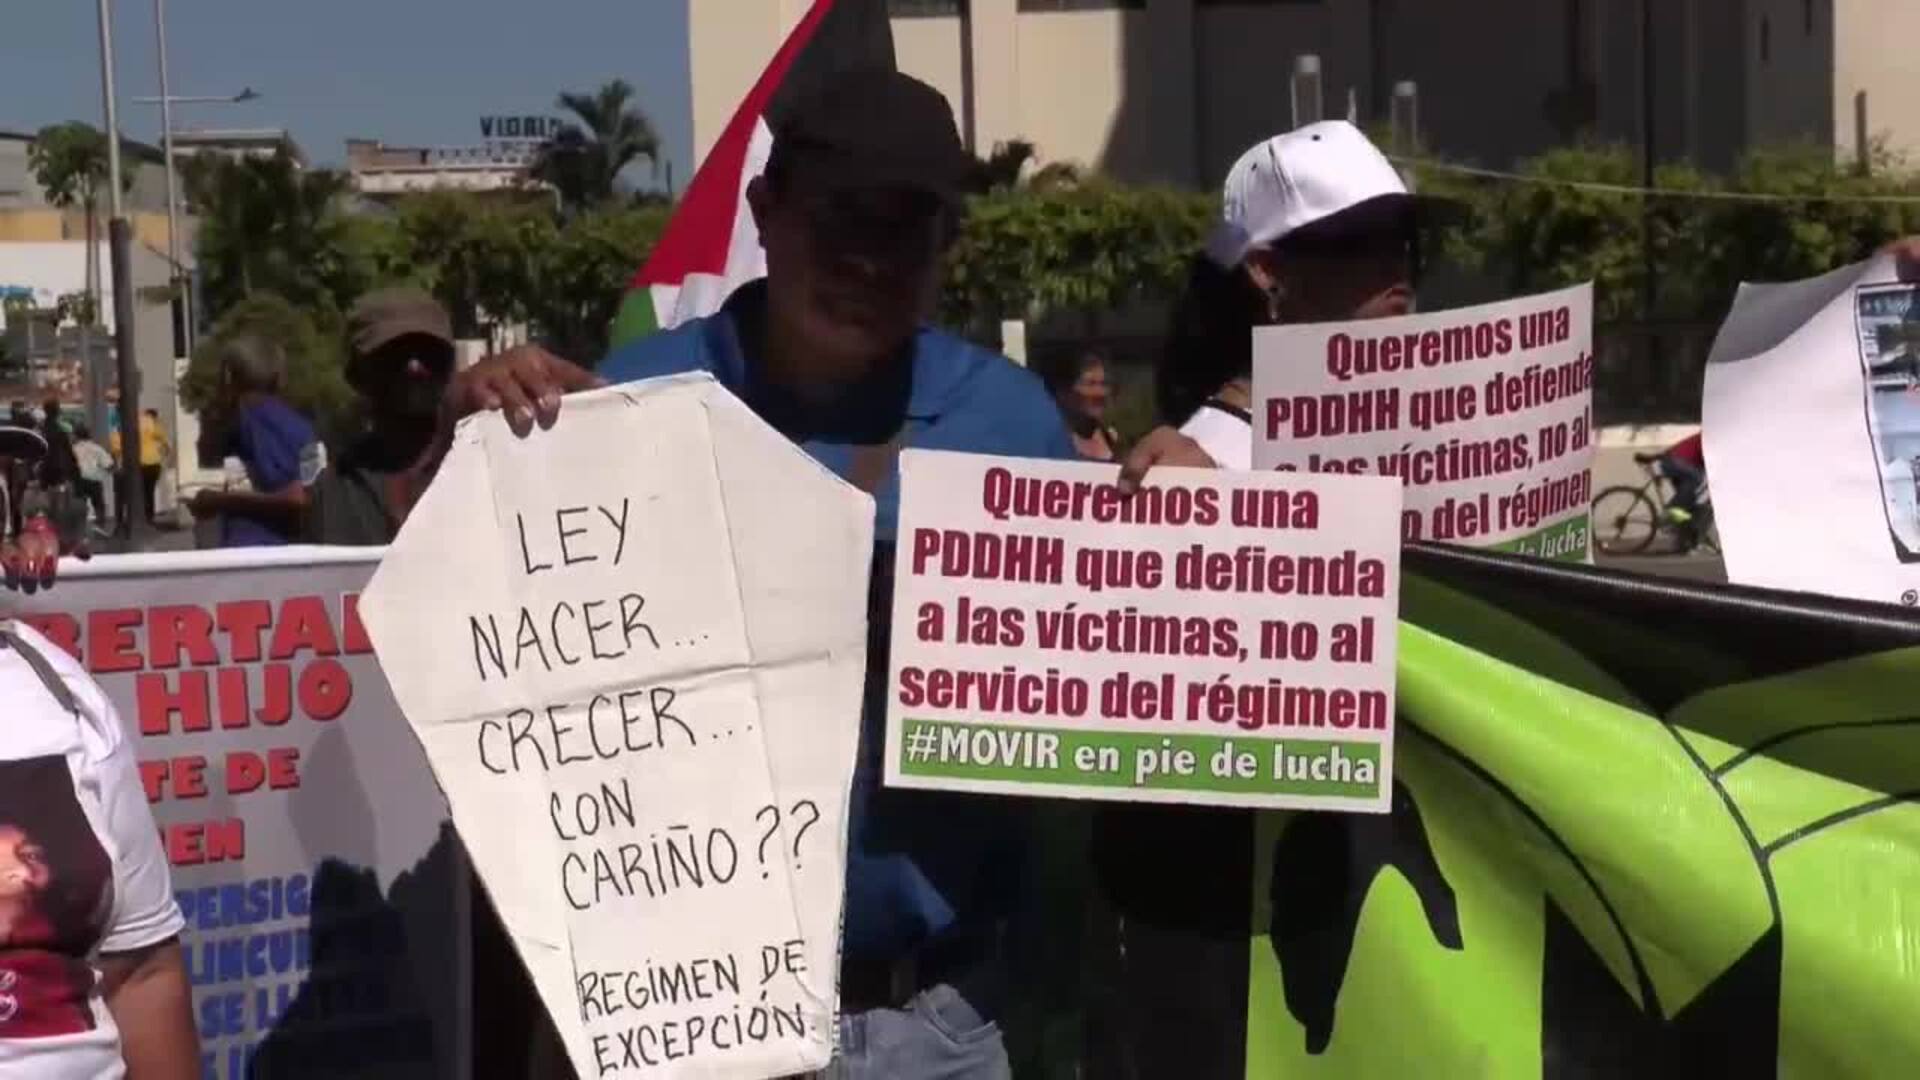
[
  {"x": 81, "y": 870},
  {"x": 1226, "y": 435}
]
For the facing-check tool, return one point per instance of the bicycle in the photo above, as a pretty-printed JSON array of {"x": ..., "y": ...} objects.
[{"x": 1627, "y": 520}]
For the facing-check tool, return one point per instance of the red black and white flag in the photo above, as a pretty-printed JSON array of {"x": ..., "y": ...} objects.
[{"x": 710, "y": 246}]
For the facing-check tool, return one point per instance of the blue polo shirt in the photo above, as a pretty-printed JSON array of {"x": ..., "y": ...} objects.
[
  {"x": 920, "y": 864},
  {"x": 276, "y": 444}
]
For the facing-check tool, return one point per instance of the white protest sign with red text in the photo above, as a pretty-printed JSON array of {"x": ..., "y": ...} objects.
[
  {"x": 1486, "y": 413},
  {"x": 324, "y": 897},
  {"x": 633, "y": 647},
  {"x": 1219, "y": 637}
]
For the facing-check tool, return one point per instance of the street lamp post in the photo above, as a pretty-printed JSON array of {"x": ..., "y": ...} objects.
[
  {"x": 167, "y": 101},
  {"x": 132, "y": 500},
  {"x": 174, "y": 275}
]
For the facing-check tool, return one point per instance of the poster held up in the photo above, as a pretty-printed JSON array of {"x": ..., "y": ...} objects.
[
  {"x": 1222, "y": 638},
  {"x": 1811, "y": 422},
  {"x": 633, "y": 648},
  {"x": 1486, "y": 414}
]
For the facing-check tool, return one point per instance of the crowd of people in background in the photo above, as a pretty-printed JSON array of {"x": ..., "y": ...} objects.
[
  {"x": 52, "y": 450},
  {"x": 400, "y": 357},
  {"x": 280, "y": 485}
]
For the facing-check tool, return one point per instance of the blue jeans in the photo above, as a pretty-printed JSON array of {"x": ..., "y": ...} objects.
[
  {"x": 1687, "y": 481},
  {"x": 938, "y": 1036}
]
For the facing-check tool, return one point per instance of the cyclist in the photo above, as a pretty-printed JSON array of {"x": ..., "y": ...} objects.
[{"x": 1685, "y": 465}]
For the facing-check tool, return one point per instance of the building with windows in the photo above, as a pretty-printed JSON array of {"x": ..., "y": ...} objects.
[
  {"x": 239, "y": 144},
  {"x": 380, "y": 171},
  {"x": 1173, "y": 90},
  {"x": 27, "y": 216}
]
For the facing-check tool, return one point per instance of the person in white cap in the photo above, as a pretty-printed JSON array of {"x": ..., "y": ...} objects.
[{"x": 1315, "y": 226}]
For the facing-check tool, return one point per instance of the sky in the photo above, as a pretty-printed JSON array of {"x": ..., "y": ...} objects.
[{"x": 406, "y": 72}]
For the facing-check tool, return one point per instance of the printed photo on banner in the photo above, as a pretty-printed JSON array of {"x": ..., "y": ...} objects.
[
  {"x": 1889, "y": 322},
  {"x": 1484, "y": 413},
  {"x": 1217, "y": 637},
  {"x": 640, "y": 688},
  {"x": 55, "y": 899},
  {"x": 1810, "y": 418},
  {"x": 310, "y": 851}
]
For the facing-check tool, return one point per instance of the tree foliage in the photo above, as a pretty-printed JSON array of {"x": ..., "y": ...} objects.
[
  {"x": 69, "y": 162},
  {"x": 1005, "y": 169},
  {"x": 584, "y": 161},
  {"x": 494, "y": 261},
  {"x": 1542, "y": 233},
  {"x": 269, "y": 225},
  {"x": 1028, "y": 253},
  {"x": 584, "y": 274},
  {"x": 314, "y": 343}
]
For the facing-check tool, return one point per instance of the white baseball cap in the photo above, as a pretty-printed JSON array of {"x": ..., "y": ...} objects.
[{"x": 1297, "y": 179}]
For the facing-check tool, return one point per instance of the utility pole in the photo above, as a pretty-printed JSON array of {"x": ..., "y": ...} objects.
[
  {"x": 175, "y": 278},
  {"x": 133, "y": 503}
]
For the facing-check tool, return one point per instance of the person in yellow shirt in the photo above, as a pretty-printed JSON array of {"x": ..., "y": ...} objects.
[{"x": 155, "y": 448}]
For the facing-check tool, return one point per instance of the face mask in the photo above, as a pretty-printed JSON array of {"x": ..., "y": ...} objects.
[{"x": 416, "y": 399}]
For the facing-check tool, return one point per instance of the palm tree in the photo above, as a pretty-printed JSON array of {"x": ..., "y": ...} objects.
[
  {"x": 1004, "y": 169},
  {"x": 584, "y": 161},
  {"x": 1000, "y": 170},
  {"x": 69, "y": 162}
]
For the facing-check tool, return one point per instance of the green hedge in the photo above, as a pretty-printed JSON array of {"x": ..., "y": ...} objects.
[{"x": 1095, "y": 248}]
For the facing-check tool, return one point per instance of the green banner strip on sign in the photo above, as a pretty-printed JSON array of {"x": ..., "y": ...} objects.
[
  {"x": 1566, "y": 542},
  {"x": 1139, "y": 760}
]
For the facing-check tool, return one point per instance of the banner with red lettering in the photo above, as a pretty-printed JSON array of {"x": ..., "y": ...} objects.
[
  {"x": 1219, "y": 637},
  {"x": 1484, "y": 413},
  {"x": 323, "y": 891}
]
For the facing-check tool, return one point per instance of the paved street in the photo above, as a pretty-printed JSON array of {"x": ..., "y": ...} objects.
[{"x": 148, "y": 540}]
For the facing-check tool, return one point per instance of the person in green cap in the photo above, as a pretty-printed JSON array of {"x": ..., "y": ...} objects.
[{"x": 401, "y": 357}]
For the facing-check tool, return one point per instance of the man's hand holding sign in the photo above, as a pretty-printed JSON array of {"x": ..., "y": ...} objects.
[{"x": 639, "y": 686}]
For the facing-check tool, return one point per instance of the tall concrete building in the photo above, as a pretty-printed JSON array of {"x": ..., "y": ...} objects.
[{"x": 1172, "y": 90}]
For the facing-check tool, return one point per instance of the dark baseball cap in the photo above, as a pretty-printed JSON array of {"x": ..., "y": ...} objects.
[
  {"x": 386, "y": 315},
  {"x": 873, "y": 128}
]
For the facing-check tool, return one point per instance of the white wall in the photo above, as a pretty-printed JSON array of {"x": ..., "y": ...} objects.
[
  {"x": 52, "y": 269},
  {"x": 1874, "y": 43},
  {"x": 1110, "y": 89},
  {"x": 728, "y": 45},
  {"x": 1071, "y": 75},
  {"x": 929, "y": 49}
]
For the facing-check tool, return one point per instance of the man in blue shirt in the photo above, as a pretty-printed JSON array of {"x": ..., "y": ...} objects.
[
  {"x": 858, "y": 205},
  {"x": 274, "y": 442}
]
